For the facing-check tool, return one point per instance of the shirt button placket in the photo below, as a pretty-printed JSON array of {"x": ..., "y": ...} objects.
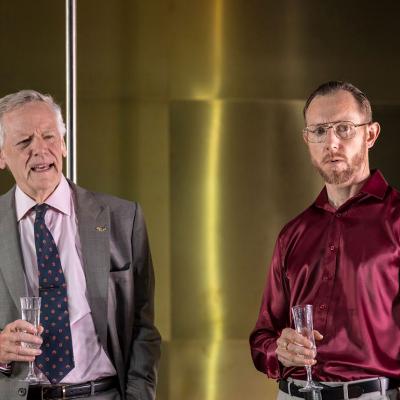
[{"x": 327, "y": 276}]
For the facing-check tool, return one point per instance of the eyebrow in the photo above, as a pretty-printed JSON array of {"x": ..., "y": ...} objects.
[{"x": 26, "y": 136}]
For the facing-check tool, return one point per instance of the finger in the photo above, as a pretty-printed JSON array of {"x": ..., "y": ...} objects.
[
  {"x": 25, "y": 337},
  {"x": 318, "y": 335},
  {"x": 293, "y": 350},
  {"x": 281, "y": 342},
  {"x": 287, "y": 333},
  {"x": 20, "y": 325},
  {"x": 18, "y": 352},
  {"x": 288, "y": 336},
  {"x": 291, "y": 359},
  {"x": 301, "y": 351},
  {"x": 294, "y": 337}
]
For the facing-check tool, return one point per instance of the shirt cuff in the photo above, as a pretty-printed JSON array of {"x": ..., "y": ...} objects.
[{"x": 5, "y": 368}]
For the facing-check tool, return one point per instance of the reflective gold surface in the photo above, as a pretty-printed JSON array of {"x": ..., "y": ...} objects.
[
  {"x": 194, "y": 109},
  {"x": 225, "y": 218}
]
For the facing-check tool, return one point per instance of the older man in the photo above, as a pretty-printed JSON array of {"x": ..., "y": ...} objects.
[
  {"x": 341, "y": 255},
  {"x": 86, "y": 255}
]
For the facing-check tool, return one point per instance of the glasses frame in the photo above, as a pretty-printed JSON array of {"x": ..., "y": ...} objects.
[{"x": 332, "y": 125}]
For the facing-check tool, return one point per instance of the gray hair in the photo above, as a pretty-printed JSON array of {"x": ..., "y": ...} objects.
[{"x": 15, "y": 100}]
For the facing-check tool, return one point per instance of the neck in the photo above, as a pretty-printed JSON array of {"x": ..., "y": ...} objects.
[
  {"x": 39, "y": 196},
  {"x": 339, "y": 194}
]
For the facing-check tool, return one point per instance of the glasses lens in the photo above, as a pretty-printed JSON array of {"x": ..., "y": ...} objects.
[
  {"x": 316, "y": 133},
  {"x": 344, "y": 130}
]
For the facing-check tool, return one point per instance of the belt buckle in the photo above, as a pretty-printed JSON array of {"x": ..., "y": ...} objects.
[
  {"x": 354, "y": 391},
  {"x": 63, "y": 387},
  {"x": 45, "y": 388}
]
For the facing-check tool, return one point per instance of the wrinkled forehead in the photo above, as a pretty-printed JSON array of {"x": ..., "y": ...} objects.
[{"x": 29, "y": 118}]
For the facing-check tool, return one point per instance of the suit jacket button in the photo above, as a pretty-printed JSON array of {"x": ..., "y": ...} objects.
[{"x": 22, "y": 391}]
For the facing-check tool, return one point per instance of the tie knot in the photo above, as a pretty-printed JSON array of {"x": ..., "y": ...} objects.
[{"x": 41, "y": 211}]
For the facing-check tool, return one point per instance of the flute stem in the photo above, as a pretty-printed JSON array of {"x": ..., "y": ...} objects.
[{"x": 309, "y": 376}]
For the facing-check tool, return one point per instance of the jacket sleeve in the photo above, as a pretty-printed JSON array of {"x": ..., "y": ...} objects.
[
  {"x": 142, "y": 371},
  {"x": 273, "y": 317}
]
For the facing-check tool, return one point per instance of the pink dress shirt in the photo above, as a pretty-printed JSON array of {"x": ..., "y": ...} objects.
[{"x": 91, "y": 361}]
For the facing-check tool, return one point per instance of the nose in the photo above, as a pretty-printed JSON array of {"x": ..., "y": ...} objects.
[
  {"x": 38, "y": 145},
  {"x": 332, "y": 142}
]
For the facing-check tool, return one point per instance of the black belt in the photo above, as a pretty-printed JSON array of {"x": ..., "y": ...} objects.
[
  {"x": 337, "y": 392},
  {"x": 70, "y": 391}
]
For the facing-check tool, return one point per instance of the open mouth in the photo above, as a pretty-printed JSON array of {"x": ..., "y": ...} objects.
[
  {"x": 334, "y": 160},
  {"x": 43, "y": 167}
]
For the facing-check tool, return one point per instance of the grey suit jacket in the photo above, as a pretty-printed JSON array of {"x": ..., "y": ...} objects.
[{"x": 120, "y": 287}]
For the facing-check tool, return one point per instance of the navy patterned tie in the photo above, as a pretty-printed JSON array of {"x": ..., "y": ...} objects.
[{"x": 57, "y": 357}]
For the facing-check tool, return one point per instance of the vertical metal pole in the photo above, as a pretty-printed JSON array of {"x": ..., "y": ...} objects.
[{"x": 70, "y": 22}]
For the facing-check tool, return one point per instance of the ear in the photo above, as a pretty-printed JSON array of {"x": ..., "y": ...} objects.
[
  {"x": 63, "y": 147},
  {"x": 372, "y": 134},
  {"x": 3, "y": 163},
  {"x": 305, "y": 138}
]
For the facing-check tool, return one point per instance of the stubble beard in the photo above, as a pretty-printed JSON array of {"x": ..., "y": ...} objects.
[{"x": 339, "y": 177}]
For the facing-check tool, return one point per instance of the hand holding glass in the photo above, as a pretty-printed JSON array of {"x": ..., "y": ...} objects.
[
  {"x": 303, "y": 322},
  {"x": 30, "y": 309}
]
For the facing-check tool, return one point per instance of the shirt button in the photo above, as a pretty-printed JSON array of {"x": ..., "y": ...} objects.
[
  {"x": 323, "y": 307},
  {"x": 331, "y": 247},
  {"x": 338, "y": 215},
  {"x": 21, "y": 392},
  {"x": 326, "y": 277}
]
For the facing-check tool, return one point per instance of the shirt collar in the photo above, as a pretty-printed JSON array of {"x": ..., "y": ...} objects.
[
  {"x": 375, "y": 185},
  {"x": 60, "y": 199}
]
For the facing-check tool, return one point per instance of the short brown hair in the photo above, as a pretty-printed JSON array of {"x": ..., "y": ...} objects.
[{"x": 334, "y": 86}]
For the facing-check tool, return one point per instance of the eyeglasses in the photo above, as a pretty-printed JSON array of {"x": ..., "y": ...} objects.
[{"x": 342, "y": 129}]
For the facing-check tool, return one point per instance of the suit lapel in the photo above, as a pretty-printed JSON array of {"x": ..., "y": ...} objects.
[
  {"x": 94, "y": 231},
  {"x": 11, "y": 265}
]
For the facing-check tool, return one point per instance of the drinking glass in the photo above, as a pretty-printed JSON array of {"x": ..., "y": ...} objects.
[
  {"x": 30, "y": 309},
  {"x": 303, "y": 322}
]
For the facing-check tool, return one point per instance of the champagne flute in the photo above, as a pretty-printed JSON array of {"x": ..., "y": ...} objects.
[
  {"x": 303, "y": 322},
  {"x": 30, "y": 309}
]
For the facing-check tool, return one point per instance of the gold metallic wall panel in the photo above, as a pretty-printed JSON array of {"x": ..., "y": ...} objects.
[
  {"x": 254, "y": 193},
  {"x": 189, "y": 376},
  {"x": 124, "y": 150},
  {"x": 123, "y": 49},
  {"x": 282, "y": 49},
  {"x": 217, "y": 178},
  {"x": 32, "y": 46}
]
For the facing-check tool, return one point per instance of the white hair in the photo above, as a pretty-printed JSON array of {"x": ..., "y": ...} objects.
[{"x": 15, "y": 100}]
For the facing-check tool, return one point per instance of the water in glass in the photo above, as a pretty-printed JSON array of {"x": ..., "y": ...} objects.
[{"x": 30, "y": 310}]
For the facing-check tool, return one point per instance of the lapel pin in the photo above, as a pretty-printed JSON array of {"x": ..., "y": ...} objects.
[{"x": 101, "y": 228}]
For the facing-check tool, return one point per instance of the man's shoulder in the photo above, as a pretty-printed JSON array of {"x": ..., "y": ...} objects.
[
  {"x": 116, "y": 205},
  {"x": 110, "y": 200},
  {"x": 394, "y": 193},
  {"x": 392, "y": 202},
  {"x": 7, "y": 199},
  {"x": 7, "y": 195}
]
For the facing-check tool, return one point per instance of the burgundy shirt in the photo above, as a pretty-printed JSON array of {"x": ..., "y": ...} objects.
[{"x": 346, "y": 263}]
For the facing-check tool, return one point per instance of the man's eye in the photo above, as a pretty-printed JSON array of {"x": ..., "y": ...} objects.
[
  {"x": 24, "y": 143},
  {"x": 319, "y": 131},
  {"x": 342, "y": 128}
]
